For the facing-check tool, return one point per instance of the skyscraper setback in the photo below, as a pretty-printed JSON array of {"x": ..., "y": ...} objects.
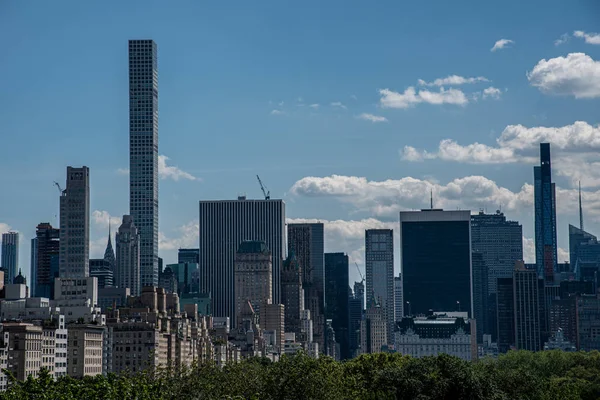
[
  {"x": 545, "y": 216},
  {"x": 143, "y": 153}
]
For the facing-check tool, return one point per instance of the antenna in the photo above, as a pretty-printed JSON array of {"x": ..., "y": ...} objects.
[
  {"x": 580, "y": 209},
  {"x": 431, "y": 199}
]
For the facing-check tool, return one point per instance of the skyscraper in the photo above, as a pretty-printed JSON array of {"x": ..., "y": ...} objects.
[
  {"x": 356, "y": 305},
  {"x": 253, "y": 277},
  {"x": 48, "y": 250},
  {"x": 109, "y": 253},
  {"x": 529, "y": 309},
  {"x": 33, "y": 268},
  {"x": 75, "y": 225},
  {"x": 398, "y": 299},
  {"x": 307, "y": 242},
  {"x": 545, "y": 216},
  {"x": 337, "y": 292},
  {"x": 128, "y": 263},
  {"x": 188, "y": 256},
  {"x": 379, "y": 251},
  {"x": 436, "y": 260},
  {"x": 10, "y": 255},
  {"x": 224, "y": 224},
  {"x": 292, "y": 295},
  {"x": 143, "y": 153},
  {"x": 480, "y": 295},
  {"x": 505, "y": 306}
]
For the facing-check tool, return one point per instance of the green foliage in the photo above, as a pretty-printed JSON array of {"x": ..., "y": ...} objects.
[{"x": 552, "y": 375}]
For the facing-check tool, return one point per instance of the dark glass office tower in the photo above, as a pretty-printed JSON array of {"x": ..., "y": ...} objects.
[
  {"x": 505, "y": 314},
  {"x": 480, "y": 295},
  {"x": 545, "y": 216},
  {"x": 337, "y": 292},
  {"x": 48, "y": 250},
  {"x": 143, "y": 153},
  {"x": 436, "y": 260}
]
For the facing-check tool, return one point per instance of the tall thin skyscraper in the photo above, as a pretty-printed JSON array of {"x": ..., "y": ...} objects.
[
  {"x": 75, "y": 225},
  {"x": 436, "y": 260},
  {"x": 379, "y": 250},
  {"x": 10, "y": 255},
  {"x": 292, "y": 295},
  {"x": 33, "y": 268},
  {"x": 337, "y": 289},
  {"x": 48, "y": 250},
  {"x": 545, "y": 216},
  {"x": 529, "y": 309},
  {"x": 224, "y": 224},
  {"x": 128, "y": 271},
  {"x": 143, "y": 153},
  {"x": 307, "y": 243},
  {"x": 398, "y": 299}
]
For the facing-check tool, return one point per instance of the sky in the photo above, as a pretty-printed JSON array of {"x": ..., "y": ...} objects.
[{"x": 350, "y": 111}]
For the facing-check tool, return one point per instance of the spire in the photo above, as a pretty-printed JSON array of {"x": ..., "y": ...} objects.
[
  {"x": 109, "y": 253},
  {"x": 431, "y": 199},
  {"x": 580, "y": 209}
]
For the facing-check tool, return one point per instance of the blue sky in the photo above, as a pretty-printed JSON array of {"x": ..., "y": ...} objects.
[{"x": 322, "y": 99}]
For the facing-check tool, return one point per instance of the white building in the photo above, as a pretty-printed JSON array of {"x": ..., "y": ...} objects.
[
  {"x": 436, "y": 334},
  {"x": 4, "y": 346}
]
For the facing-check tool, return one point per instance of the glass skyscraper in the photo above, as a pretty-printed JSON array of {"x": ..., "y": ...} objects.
[
  {"x": 143, "y": 153},
  {"x": 337, "y": 291},
  {"x": 10, "y": 255},
  {"x": 545, "y": 216}
]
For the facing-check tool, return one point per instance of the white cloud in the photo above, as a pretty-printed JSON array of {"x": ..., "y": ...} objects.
[
  {"x": 277, "y": 112},
  {"x": 300, "y": 99},
  {"x": 563, "y": 255},
  {"x": 170, "y": 172},
  {"x": 409, "y": 153},
  {"x": 410, "y": 97},
  {"x": 338, "y": 104},
  {"x": 502, "y": 43},
  {"x": 528, "y": 250},
  {"x": 576, "y": 75},
  {"x": 387, "y": 198},
  {"x": 123, "y": 171},
  {"x": 492, "y": 92},
  {"x": 590, "y": 38},
  {"x": 187, "y": 237},
  {"x": 4, "y": 228},
  {"x": 453, "y": 80},
  {"x": 315, "y": 106},
  {"x": 372, "y": 118},
  {"x": 564, "y": 38},
  {"x": 101, "y": 219}
]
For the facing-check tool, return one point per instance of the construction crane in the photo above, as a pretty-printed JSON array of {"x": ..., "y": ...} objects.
[
  {"x": 359, "y": 273},
  {"x": 58, "y": 186},
  {"x": 264, "y": 189}
]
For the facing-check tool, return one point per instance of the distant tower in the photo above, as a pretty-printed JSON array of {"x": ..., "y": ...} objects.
[
  {"x": 128, "y": 271},
  {"x": 580, "y": 209},
  {"x": 10, "y": 255},
  {"x": 253, "y": 276},
  {"x": 545, "y": 216},
  {"x": 109, "y": 253},
  {"x": 292, "y": 295}
]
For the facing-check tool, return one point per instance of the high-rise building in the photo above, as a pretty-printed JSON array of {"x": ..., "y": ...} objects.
[
  {"x": 436, "y": 260},
  {"x": 128, "y": 260},
  {"x": 101, "y": 269},
  {"x": 480, "y": 295},
  {"x": 253, "y": 277},
  {"x": 356, "y": 305},
  {"x": 379, "y": 255},
  {"x": 109, "y": 253},
  {"x": 10, "y": 255},
  {"x": 143, "y": 153},
  {"x": 307, "y": 242},
  {"x": 33, "y": 266},
  {"x": 337, "y": 294},
  {"x": 188, "y": 277},
  {"x": 398, "y": 299},
  {"x": 272, "y": 318},
  {"x": 46, "y": 269},
  {"x": 505, "y": 306},
  {"x": 373, "y": 329},
  {"x": 292, "y": 295},
  {"x": 528, "y": 308},
  {"x": 584, "y": 254},
  {"x": 588, "y": 322},
  {"x": 75, "y": 225},
  {"x": 224, "y": 224},
  {"x": 545, "y": 216},
  {"x": 188, "y": 256}
]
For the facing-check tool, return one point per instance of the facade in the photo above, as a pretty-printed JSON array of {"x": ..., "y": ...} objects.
[
  {"x": 138, "y": 346},
  {"x": 528, "y": 309},
  {"x": 54, "y": 345},
  {"x": 436, "y": 260},
  {"x": 143, "y": 153},
  {"x": 588, "y": 324},
  {"x": 10, "y": 255},
  {"x": 188, "y": 256},
  {"x": 398, "y": 299},
  {"x": 75, "y": 225},
  {"x": 505, "y": 314},
  {"x": 85, "y": 345},
  {"x": 168, "y": 280},
  {"x": 112, "y": 297},
  {"x": 33, "y": 266},
  {"x": 187, "y": 275},
  {"x": 307, "y": 242},
  {"x": 558, "y": 342},
  {"x": 584, "y": 254},
  {"x": 25, "y": 349},
  {"x": 545, "y": 216},
  {"x": 128, "y": 260},
  {"x": 253, "y": 276},
  {"x": 101, "y": 269},
  {"x": 356, "y": 305},
  {"x": 379, "y": 252},
  {"x": 292, "y": 295},
  {"x": 563, "y": 316},
  {"x": 48, "y": 250},
  {"x": 435, "y": 334},
  {"x": 224, "y": 224},
  {"x": 373, "y": 329},
  {"x": 480, "y": 294},
  {"x": 337, "y": 294},
  {"x": 272, "y": 318}
]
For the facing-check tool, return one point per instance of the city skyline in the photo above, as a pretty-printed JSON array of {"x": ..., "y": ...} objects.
[{"x": 347, "y": 196}]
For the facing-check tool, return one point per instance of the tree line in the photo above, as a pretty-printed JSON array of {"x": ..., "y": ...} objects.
[{"x": 549, "y": 375}]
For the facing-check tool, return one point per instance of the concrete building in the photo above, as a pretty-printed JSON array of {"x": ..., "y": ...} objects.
[
  {"x": 563, "y": 315},
  {"x": 10, "y": 255},
  {"x": 128, "y": 261},
  {"x": 545, "y": 216},
  {"x": 47, "y": 260},
  {"x": 168, "y": 280},
  {"x": 436, "y": 334},
  {"x": 398, "y": 299},
  {"x": 379, "y": 255},
  {"x": 373, "y": 329},
  {"x": 436, "y": 260},
  {"x": 102, "y": 270},
  {"x": 25, "y": 349},
  {"x": 143, "y": 153},
  {"x": 224, "y": 224},
  {"x": 54, "y": 345},
  {"x": 138, "y": 345},
  {"x": 253, "y": 276},
  {"x": 4, "y": 348},
  {"x": 75, "y": 225},
  {"x": 272, "y": 318},
  {"x": 292, "y": 294},
  {"x": 307, "y": 243},
  {"x": 337, "y": 294},
  {"x": 85, "y": 345}
]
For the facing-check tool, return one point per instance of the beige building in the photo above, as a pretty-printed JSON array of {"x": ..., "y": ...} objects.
[
  {"x": 85, "y": 345},
  {"x": 25, "y": 349},
  {"x": 373, "y": 329},
  {"x": 253, "y": 276},
  {"x": 272, "y": 318},
  {"x": 137, "y": 346}
]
